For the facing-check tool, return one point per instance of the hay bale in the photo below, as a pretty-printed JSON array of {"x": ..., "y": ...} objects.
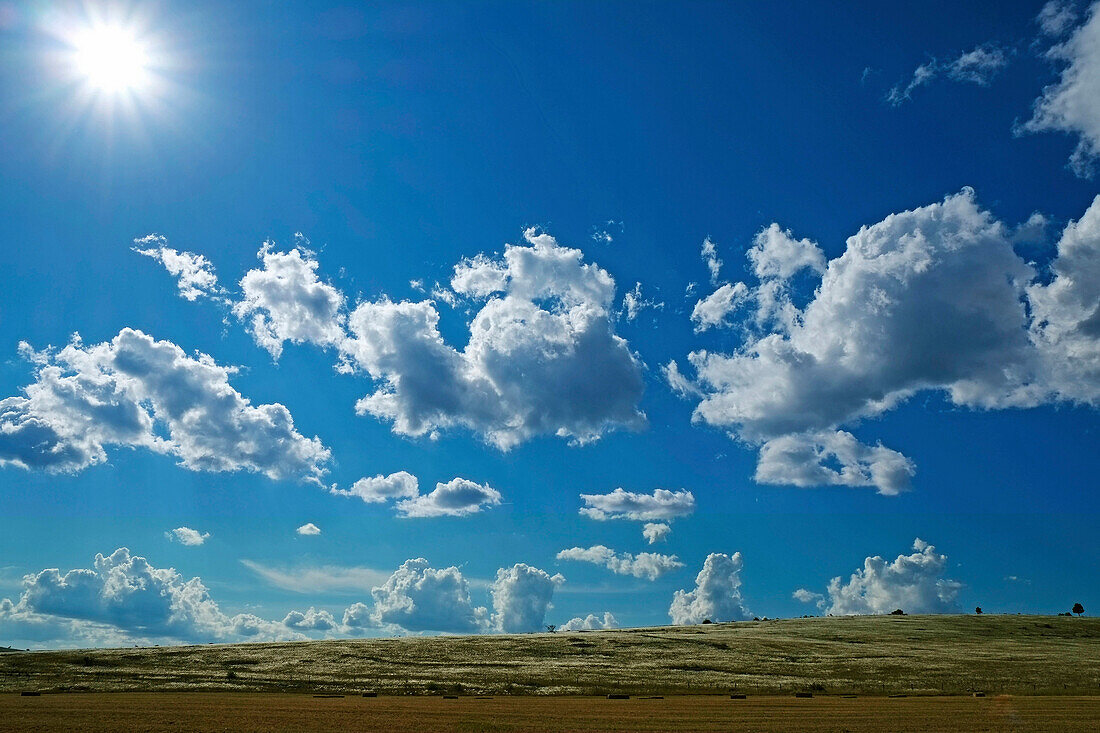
[{"x": 979, "y": 694}]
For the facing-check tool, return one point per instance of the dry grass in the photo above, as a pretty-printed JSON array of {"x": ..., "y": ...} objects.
[
  {"x": 260, "y": 712},
  {"x": 913, "y": 655}
]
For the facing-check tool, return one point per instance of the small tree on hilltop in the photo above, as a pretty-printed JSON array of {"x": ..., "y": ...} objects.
[
  {"x": 897, "y": 612},
  {"x": 551, "y": 628},
  {"x": 978, "y": 610},
  {"x": 1078, "y": 608}
]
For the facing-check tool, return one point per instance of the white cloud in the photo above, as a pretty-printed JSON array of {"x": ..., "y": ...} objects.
[
  {"x": 775, "y": 253},
  {"x": 308, "y": 529},
  {"x": 832, "y": 458},
  {"x": 1056, "y": 17},
  {"x": 776, "y": 257},
  {"x": 717, "y": 593},
  {"x": 679, "y": 382},
  {"x": 709, "y": 253},
  {"x": 380, "y": 489},
  {"x": 978, "y": 66},
  {"x": 622, "y": 504},
  {"x": 542, "y": 356},
  {"x": 311, "y": 620},
  {"x": 418, "y": 597},
  {"x": 187, "y": 536},
  {"x": 591, "y": 622},
  {"x": 914, "y": 583},
  {"x": 808, "y": 596},
  {"x": 123, "y": 597},
  {"x": 194, "y": 273},
  {"x": 929, "y": 299},
  {"x": 655, "y": 532},
  {"x": 603, "y": 235},
  {"x": 285, "y": 301},
  {"x": 521, "y": 597},
  {"x": 1073, "y": 104},
  {"x": 1066, "y": 312},
  {"x": 136, "y": 392},
  {"x": 714, "y": 310},
  {"x": 648, "y": 565},
  {"x": 922, "y": 75},
  {"x": 634, "y": 303},
  {"x": 319, "y": 579},
  {"x": 480, "y": 276},
  {"x": 458, "y": 497}
]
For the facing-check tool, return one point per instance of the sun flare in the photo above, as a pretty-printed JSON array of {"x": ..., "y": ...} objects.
[{"x": 111, "y": 59}]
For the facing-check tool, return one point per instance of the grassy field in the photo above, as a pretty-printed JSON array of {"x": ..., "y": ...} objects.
[
  {"x": 203, "y": 711},
  {"x": 910, "y": 655}
]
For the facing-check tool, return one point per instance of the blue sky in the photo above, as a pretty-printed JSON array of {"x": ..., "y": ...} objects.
[{"x": 851, "y": 404}]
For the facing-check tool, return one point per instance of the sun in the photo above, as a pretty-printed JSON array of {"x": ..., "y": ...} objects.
[{"x": 110, "y": 59}]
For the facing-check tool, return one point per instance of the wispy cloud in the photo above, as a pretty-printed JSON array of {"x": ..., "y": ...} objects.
[{"x": 319, "y": 578}]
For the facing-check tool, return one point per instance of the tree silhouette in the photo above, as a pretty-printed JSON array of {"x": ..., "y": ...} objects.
[
  {"x": 978, "y": 610},
  {"x": 1078, "y": 608},
  {"x": 897, "y": 612}
]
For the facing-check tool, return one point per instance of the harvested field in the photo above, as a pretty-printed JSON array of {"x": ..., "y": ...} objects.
[
  {"x": 264, "y": 712},
  {"x": 911, "y": 655}
]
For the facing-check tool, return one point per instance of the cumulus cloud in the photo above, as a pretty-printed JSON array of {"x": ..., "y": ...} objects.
[
  {"x": 832, "y": 458},
  {"x": 776, "y": 257},
  {"x": 714, "y": 310},
  {"x": 775, "y": 253},
  {"x": 591, "y": 622},
  {"x": 1056, "y": 17},
  {"x": 380, "y": 489},
  {"x": 1066, "y": 313},
  {"x": 913, "y": 583},
  {"x": 1073, "y": 104},
  {"x": 458, "y": 497},
  {"x": 122, "y": 597},
  {"x": 929, "y": 299},
  {"x": 978, "y": 66},
  {"x": 521, "y": 597},
  {"x": 194, "y": 273},
  {"x": 648, "y": 565},
  {"x": 655, "y": 532},
  {"x": 803, "y": 595},
  {"x": 418, "y": 597},
  {"x": 134, "y": 391},
  {"x": 308, "y": 529},
  {"x": 717, "y": 593},
  {"x": 286, "y": 301},
  {"x": 542, "y": 356},
  {"x": 187, "y": 536},
  {"x": 622, "y": 504},
  {"x": 311, "y": 620}
]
